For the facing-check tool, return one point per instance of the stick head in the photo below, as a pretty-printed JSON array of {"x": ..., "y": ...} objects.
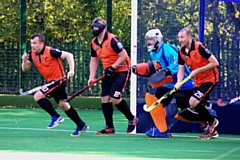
[
  {"x": 221, "y": 103},
  {"x": 150, "y": 100},
  {"x": 145, "y": 107},
  {"x": 21, "y": 91}
]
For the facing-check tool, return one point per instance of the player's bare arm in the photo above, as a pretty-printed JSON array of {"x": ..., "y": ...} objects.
[
  {"x": 69, "y": 57},
  {"x": 122, "y": 57},
  {"x": 213, "y": 62},
  {"x": 93, "y": 69},
  {"x": 26, "y": 64},
  {"x": 180, "y": 74}
]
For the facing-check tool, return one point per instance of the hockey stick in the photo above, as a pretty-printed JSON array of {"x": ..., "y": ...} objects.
[
  {"x": 148, "y": 109},
  {"x": 83, "y": 89},
  {"x": 31, "y": 91},
  {"x": 222, "y": 104},
  {"x": 123, "y": 66}
]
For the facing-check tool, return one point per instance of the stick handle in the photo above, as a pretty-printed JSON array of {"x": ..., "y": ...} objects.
[
  {"x": 85, "y": 88},
  {"x": 124, "y": 66},
  {"x": 185, "y": 80},
  {"x": 148, "y": 109},
  {"x": 39, "y": 87}
]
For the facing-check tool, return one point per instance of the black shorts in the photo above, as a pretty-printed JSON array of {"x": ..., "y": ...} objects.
[
  {"x": 201, "y": 93},
  {"x": 182, "y": 96},
  {"x": 57, "y": 91},
  {"x": 116, "y": 85}
]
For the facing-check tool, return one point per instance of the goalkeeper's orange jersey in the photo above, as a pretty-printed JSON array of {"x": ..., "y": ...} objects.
[{"x": 107, "y": 53}]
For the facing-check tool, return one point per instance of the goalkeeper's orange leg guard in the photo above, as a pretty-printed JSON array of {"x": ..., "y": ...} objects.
[{"x": 158, "y": 113}]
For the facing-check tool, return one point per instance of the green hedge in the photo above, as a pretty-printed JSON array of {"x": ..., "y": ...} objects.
[{"x": 28, "y": 102}]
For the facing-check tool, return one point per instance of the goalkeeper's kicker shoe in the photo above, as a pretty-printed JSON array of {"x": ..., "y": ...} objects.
[
  {"x": 106, "y": 130},
  {"x": 79, "y": 130},
  {"x": 55, "y": 121},
  {"x": 155, "y": 133},
  {"x": 132, "y": 125}
]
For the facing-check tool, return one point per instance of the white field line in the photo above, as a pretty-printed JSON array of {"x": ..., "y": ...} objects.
[{"x": 61, "y": 130}]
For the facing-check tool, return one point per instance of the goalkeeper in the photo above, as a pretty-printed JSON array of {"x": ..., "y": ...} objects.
[{"x": 164, "y": 80}]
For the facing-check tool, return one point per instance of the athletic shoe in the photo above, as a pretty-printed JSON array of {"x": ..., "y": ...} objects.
[
  {"x": 210, "y": 127},
  {"x": 55, "y": 121},
  {"x": 213, "y": 125},
  {"x": 79, "y": 130},
  {"x": 155, "y": 133},
  {"x": 131, "y": 125},
  {"x": 208, "y": 136},
  {"x": 210, "y": 130},
  {"x": 106, "y": 130},
  {"x": 214, "y": 134}
]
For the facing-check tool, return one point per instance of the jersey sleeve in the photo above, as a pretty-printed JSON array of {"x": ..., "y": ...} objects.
[
  {"x": 204, "y": 51},
  {"x": 30, "y": 56},
  {"x": 93, "y": 53},
  {"x": 180, "y": 60},
  {"x": 55, "y": 53},
  {"x": 116, "y": 45}
]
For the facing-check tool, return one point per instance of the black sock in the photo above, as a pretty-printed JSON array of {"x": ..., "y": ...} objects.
[
  {"x": 73, "y": 115},
  {"x": 45, "y": 104},
  {"x": 124, "y": 108},
  {"x": 108, "y": 114},
  {"x": 202, "y": 110}
]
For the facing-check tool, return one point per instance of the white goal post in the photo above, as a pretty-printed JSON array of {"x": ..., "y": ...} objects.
[{"x": 133, "y": 80}]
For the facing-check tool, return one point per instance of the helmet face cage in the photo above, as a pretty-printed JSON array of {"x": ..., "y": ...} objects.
[{"x": 153, "y": 34}]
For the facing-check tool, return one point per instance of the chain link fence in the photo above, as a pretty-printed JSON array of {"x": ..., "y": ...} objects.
[
  {"x": 221, "y": 35},
  {"x": 66, "y": 26}
]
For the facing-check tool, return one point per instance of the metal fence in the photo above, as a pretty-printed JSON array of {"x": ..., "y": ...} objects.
[
  {"x": 221, "y": 35},
  {"x": 66, "y": 25}
]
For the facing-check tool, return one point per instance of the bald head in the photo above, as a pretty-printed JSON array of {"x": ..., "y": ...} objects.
[
  {"x": 185, "y": 37},
  {"x": 187, "y": 31}
]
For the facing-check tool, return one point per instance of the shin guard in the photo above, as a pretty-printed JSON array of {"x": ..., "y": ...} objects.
[
  {"x": 203, "y": 111},
  {"x": 107, "y": 110},
  {"x": 171, "y": 111},
  {"x": 158, "y": 114}
]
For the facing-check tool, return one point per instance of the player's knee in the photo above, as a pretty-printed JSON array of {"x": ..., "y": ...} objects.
[
  {"x": 116, "y": 101},
  {"x": 105, "y": 99},
  {"x": 38, "y": 95},
  {"x": 193, "y": 102},
  {"x": 65, "y": 106}
]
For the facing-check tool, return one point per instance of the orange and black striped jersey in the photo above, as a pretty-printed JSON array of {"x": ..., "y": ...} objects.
[
  {"x": 108, "y": 51},
  {"x": 197, "y": 57},
  {"x": 48, "y": 63}
]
